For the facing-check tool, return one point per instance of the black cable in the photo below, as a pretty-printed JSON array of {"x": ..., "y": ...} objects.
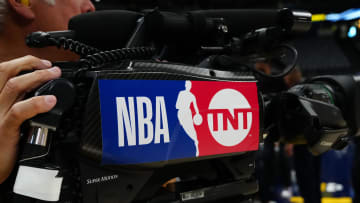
[
  {"x": 60, "y": 40},
  {"x": 74, "y": 46},
  {"x": 113, "y": 56}
]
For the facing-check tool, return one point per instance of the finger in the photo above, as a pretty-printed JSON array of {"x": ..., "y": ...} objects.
[
  {"x": 17, "y": 86},
  {"x": 27, "y": 109},
  {"x": 12, "y": 68}
]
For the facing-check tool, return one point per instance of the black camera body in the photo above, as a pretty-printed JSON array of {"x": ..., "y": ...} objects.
[
  {"x": 77, "y": 145},
  {"x": 131, "y": 127},
  {"x": 200, "y": 180}
]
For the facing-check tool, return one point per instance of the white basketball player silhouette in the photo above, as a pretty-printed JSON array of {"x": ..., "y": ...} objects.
[{"x": 184, "y": 100}]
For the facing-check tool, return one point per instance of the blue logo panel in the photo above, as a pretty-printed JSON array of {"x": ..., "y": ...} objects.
[{"x": 138, "y": 96}]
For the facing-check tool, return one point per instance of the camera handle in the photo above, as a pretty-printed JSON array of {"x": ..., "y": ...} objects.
[
  {"x": 35, "y": 169},
  {"x": 64, "y": 91}
]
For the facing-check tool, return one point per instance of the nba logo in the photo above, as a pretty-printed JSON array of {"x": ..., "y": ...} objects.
[
  {"x": 146, "y": 121},
  {"x": 222, "y": 114}
]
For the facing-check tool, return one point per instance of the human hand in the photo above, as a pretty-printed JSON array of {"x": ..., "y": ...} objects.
[{"x": 14, "y": 110}]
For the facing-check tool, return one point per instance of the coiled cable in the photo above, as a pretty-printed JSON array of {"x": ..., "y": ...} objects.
[
  {"x": 77, "y": 47},
  {"x": 117, "y": 55}
]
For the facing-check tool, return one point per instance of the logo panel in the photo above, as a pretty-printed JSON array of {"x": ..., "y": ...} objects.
[
  {"x": 147, "y": 121},
  {"x": 231, "y": 110}
]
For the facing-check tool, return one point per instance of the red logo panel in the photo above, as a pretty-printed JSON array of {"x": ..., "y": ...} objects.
[{"x": 229, "y": 117}]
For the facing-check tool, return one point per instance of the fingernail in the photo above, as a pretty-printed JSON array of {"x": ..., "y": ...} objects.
[
  {"x": 54, "y": 70},
  {"x": 46, "y": 63},
  {"x": 50, "y": 100}
]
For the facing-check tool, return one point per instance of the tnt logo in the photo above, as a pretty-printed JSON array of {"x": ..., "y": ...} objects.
[{"x": 229, "y": 117}]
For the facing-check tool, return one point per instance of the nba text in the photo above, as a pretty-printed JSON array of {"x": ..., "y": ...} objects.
[{"x": 139, "y": 126}]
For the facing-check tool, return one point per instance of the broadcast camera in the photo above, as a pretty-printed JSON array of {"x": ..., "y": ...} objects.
[{"x": 169, "y": 107}]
